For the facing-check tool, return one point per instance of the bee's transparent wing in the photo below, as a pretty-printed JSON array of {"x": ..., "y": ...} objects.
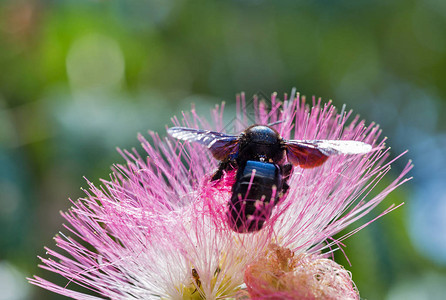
[
  {"x": 310, "y": 154},
  {"x": 221, "y": 145}
]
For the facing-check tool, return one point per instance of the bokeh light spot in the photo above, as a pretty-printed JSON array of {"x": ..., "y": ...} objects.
[
  {"x": 13, "y": 285},
  {"x": 95, "y": 62}
]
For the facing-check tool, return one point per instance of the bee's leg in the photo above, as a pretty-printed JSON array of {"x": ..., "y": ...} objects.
[
  {"x": 287, "y": 169},
  {"x": 285, "y": 188},
  {"x": 224, "y": 165},
  {"x": 218, "y": 174}
]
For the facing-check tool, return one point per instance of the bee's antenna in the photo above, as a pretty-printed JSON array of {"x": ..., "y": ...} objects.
[{"x": 275, "y": 123}]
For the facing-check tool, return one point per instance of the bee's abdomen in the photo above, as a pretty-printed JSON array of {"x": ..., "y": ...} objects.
[{"x": 254, "y": 194}]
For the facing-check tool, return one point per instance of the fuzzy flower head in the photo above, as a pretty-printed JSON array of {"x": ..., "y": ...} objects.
[
  {"x": 159, "y": 227},
  {"x": 280, "y": 274}
]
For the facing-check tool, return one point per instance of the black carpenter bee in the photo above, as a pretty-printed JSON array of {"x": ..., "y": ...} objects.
[{"x": 264, "y": 163}]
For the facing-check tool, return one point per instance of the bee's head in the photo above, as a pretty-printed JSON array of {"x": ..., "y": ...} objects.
[
  {"x": 261, "y": 142},
  {"x": 262, "y": 134}
]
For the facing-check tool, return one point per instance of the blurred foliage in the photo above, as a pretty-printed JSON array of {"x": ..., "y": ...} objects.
[{"x": 82, "y": 77}]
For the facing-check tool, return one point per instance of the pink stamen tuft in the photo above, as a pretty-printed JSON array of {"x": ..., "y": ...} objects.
[{"x": 158, "y": 228}]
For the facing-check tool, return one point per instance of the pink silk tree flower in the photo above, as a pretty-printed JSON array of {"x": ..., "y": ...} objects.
[{"x": 158, "y": 228}]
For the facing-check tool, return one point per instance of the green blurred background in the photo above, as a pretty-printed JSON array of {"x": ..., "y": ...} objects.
[{"x": 79, "y": 78}]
